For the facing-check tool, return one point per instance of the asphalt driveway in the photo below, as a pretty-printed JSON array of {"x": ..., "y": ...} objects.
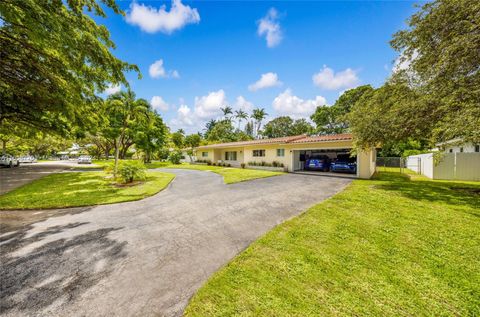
[
  {"x": 11, "y": 178},
  {"x": 145, "y": 258}
]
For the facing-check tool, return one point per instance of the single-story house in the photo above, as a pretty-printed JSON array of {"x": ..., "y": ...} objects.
[
  {"x": 459, "y": 146},
  {"x": 289, "y": 151}
]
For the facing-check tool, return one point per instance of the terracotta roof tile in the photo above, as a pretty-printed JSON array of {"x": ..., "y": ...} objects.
[{"x": 283, "y": 140}]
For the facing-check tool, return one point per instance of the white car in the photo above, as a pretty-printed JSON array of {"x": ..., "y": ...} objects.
[
  {"x": 9, "y": 160},
  {"x": 85, "y": 159},
  {"x": 27, "y": 159}
]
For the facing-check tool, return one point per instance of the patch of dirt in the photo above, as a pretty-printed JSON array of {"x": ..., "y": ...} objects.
[{"x": 135, "y": 183}]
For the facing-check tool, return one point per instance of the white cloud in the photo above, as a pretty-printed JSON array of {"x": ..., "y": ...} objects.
[
  {"x": 112, "y": 89},
  {"x": 157, "y": 70},
  {"x": 158, "y": 103},
  {"x": 244, "y": 104},
  {"x": 153, "y": 20},
  {"x": 269, "y": 27},
  {"x": 328, "y": 79},
  {"x": 288, "y": 104},
  {"x": 207, "y": 107},
  {"x": 267, "y": 80}
]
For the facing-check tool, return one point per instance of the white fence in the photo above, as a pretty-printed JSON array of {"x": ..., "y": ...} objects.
[{"x": 459, "y": 166}]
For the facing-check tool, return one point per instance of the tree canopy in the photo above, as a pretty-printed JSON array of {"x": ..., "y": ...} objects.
[
  {"x": 54, "y": 60},
  {"x": 434, "y": 92}
]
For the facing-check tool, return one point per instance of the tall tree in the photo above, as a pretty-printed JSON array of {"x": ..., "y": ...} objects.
[
  {"x": 54, "y": 59},
  {"x": 440, "y": 61},
  {"x": 223, "y": 131},
  {"x": 333, "y": 119},
  {"x": 227, "y": 111},
  {"x": 258, "y": 115},
  {"x": 178, "y": 138},
  {"x": 240, "y": 115},
  {"x": 301, "y": 126},
  {"x": 124, "y": 112},
  {"x": 278, "y": 127},
  {"x": 150, "y": 134},
  {"x": 192, "y": 141}
]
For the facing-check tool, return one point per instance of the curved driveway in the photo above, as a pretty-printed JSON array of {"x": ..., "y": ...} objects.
[{"x": 146, "y": 258}]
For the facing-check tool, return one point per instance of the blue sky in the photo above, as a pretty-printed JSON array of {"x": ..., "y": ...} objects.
[{"x": 287, "y": 57}]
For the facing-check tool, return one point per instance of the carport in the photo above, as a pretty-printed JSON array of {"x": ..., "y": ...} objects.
[{"x": 301, "y": 158}]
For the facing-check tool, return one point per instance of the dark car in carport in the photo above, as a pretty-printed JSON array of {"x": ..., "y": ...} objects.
[
  {"x": 344, "y": 164},
  {"x": 318, "y": 163}
]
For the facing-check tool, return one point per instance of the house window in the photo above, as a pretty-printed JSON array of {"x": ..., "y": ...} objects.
[
  {"x": 477, "y": 148},
  {"x": 204, "y": 154},
  {"x": 230, "y": 156},
  {"x": 451, "y": 151},
  {"x": 461, "y": 149},
  {"x": 258, "y": 153},
  {"x": 280, "y": 152}
]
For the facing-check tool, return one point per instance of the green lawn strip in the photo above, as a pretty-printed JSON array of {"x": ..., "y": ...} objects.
[
  {"x": 383, "y": 247},
  {"x": 230, "y": 174},
  {"x": 80, "y": 189}
]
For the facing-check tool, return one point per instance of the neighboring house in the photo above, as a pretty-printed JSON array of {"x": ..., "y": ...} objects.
[
  {"x": 457, "y": 161},
  {"x": 458, "y": 146},
  {"x": 289, "y": 151}
]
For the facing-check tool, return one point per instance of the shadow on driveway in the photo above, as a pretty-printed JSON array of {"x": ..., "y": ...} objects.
[{"x": 56, "y": 272}]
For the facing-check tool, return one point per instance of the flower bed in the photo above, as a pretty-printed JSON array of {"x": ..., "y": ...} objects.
[{"x": 267, "y": 168}]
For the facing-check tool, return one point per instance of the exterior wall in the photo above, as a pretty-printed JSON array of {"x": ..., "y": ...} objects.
[
  {"x": 239, "y": 150},
  {"x": 365, "y": 160},
  {"x": 452, "y": 166},
  {"x": 198, "y": 155},
  {"x": 270, "y": 154},
  {"x": 366, "y": 163},
  {"x": 467, "y": 148}
]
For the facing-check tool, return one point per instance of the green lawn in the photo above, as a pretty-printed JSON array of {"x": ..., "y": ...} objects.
[
  {"x": 230, "y": 174},
  {"x": 383, "y": 247},
  {"x": 80, "y": 189}
]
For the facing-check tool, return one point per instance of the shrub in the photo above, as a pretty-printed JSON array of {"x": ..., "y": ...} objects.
[
  {"x": 129, "y": 171},
  {"x": 175, "y": 157},
  {"x": 214, "y": 164},
  {"x": 209, "y": 163},
  {"x": 242, "y": 165},
  {"x": 229, "y": 165}
]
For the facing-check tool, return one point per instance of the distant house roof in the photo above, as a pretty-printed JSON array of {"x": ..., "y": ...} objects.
[{"x": 297, "y": 139}]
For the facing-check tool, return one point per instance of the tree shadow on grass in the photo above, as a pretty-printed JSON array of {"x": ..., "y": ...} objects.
[
  {"x": 452, "y": 193},
  {"x": 56, "y": 272}
]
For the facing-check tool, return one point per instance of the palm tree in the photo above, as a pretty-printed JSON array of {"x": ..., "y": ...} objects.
[
  {"x": 209, "y": 126},
  {"x": 240, "y": 115},
  {"x": 123, "y": 110},
  {"x": 226, "y": 111},
  {"x": 258, "y": 115}
]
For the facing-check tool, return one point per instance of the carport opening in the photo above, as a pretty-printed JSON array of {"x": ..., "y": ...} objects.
[{"x": 326, "y": 161}]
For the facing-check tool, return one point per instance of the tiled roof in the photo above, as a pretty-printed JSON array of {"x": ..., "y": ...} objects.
[
  {"x": 284, "y": 140},
  {"x": 324, "y": 138}
]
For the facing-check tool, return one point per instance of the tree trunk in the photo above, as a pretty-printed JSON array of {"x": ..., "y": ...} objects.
[
  {"x": 115, "y": 168},
  {"x": 4, "y": 147}
]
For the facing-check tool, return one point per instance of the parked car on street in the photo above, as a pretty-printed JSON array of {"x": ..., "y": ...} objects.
[
  {"x": 27, "y": 159},
  {"x": 344, "y": 164},
  {"x": 318, "y": 163},
  {"x": 9, "y": 160},
  {"x": 85, "y": 159}
]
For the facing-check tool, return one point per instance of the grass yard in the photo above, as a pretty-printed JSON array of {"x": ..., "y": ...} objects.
[
  {"x": 383, "y": 247},
  {"x": 80, "y": 189},
  {"x": 230, "y": 174}
]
